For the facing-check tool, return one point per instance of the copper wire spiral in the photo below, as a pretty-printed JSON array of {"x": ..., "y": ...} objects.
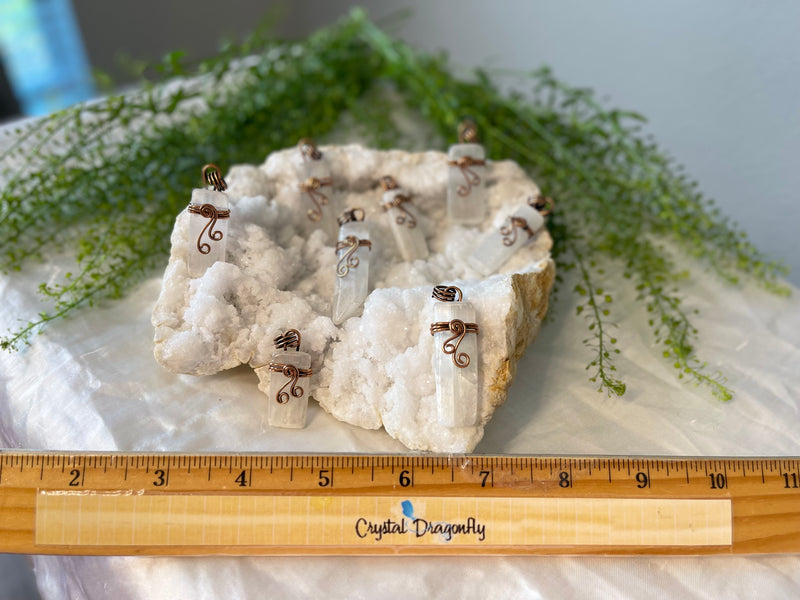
[
  {"x": 465, "y": 163},
  {"x": 292, "y": 373},
  {"x": 311, "y": 187},
  {"x": 210, "y": 212},
  {"x": 509, "y": 231},
  {"x": 405, "y": 217},
  {"x": 348, "y": 260},
  {"x": 445, "y": 293},
  {"x": 212, "y": 176},
  {"x": 459, "y": 329}
]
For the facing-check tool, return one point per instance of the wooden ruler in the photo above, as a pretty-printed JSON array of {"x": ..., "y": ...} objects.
[{"x": 177, "y": 504}]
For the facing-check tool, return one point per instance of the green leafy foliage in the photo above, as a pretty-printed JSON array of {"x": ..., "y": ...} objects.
[{"x": 108, "y": 178}]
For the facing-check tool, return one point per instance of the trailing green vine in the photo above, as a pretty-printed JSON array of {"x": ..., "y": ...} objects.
[{"x": 108, "y": 178}]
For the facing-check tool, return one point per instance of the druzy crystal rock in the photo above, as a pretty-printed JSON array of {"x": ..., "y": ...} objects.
[{"x": 375, "y": 369}]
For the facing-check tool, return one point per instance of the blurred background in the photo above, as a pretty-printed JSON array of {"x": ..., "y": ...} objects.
[{"x": 719, "y": 81}]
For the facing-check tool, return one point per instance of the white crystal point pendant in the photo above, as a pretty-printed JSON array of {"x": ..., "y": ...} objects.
[
  {"x": 288, "y": 384},
  {"x": 315, "y": 185},
  {"x": 467, "y": 196},
  {"x": 352, "y": 269},
  {"x": 455, "y": 358},
  {"x": 402, "y": 217},
  {"x": 500, "y": 244},
  {"x": 208, "y": 224}
]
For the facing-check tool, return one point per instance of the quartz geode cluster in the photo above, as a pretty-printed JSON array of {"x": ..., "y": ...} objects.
[{"x": 374, "y": 370}]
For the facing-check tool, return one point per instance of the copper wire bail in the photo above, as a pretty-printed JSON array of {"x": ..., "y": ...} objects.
[
  {"x": 456, "y": 327},
  {"x": 289, "y": 339},
  {"x": 444, "y": 293},
  {"x": 388, "y": 183},
  {"x": 543, "y": 204},
  {"x": 467, "y": 131},
  {"x": 308, "y": 149},
  {"x": 212, "y": 176},
  {"x": 348, "y": 216}
]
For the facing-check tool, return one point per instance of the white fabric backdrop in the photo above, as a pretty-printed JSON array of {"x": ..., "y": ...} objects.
[{"x": 91, "y": 383}]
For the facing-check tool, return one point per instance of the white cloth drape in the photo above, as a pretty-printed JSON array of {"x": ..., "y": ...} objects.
[{"x": 91, "y": 383}]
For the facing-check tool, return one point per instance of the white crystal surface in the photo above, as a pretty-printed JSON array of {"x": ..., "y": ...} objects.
[
  {"x": 404, "y": 223},
  {"x": 306, "y": 169},
  {"x": 292, "y": 413},
  {"x": 467, "y": 208},
  {"x": 199, "y": 262},
  {"x": 493, "y": 251},
  {"x": 456, "y": 387},
  {"x": 375, "y": 369}
]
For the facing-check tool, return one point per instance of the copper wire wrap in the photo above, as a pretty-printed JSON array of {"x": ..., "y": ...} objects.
[
  {"x": 292, "y": 373},
  {"x": 444, "y": 293},
  {"x": 405, "y": 217},
  {"x": 459, "y": 329},
  {"x": 308, "y": 149},
  {"x": 348, "y": 216},
  {"x": 311, "y": 187},
  {"x": 388, "y": 183},
  {"x": 210, "y": 212},
  {"x": 451, "y": 293},
  {"x": 289, "y": 339},
  {"x": 465, "y": 163},
  {"x": 509, "y": 231},
  {"x": 467, "y": 132},
  {"x": 212, "y": 176},
  {"x": 543, "y": 204},
  {"x": 347, "y": 260}
]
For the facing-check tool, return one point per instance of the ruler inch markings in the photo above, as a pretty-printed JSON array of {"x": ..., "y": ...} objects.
[{"x": 763, "y": 512}]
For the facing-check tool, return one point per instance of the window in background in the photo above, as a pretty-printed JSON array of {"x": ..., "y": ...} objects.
[{"x": 43, "y": 55}]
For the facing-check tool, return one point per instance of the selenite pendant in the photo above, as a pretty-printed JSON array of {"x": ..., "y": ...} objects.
[
  {"x": 455, "y": 358},
  {"x": 208, "y": 223},
  {"x": 403, "y": 221},
  {"x": 288, "y": 399},
  {"x": 352, "y": 269},
  {"x": 316, "y": 187},
  {"x": 501, "y": 244},
  {"x": 467, "y": 196}
]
